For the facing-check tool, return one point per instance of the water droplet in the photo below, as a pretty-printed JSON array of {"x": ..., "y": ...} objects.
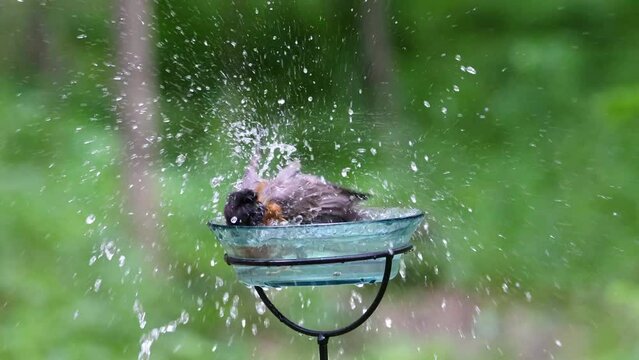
[
  {"x": 97, "y": 284},
  {"x": 108, "y": 249},
  {"x": 444, "y": 110},
  {"x": 458, "y": 57},
  {"x": 305, "y": 70},
  {"x": 373, "y": 151},
  {"x": 180, "y": 159},
  {"x": 90, "y": 219},
  {"x": 455, "y": 88},
  {"x": 528, "y": 296},
  {"x": 471, "y": 70},
  {"x": 413, "y": 166},
  {"x": 260, "y": 307},
  {"x": 81, "y": 36},
  {"x": 426, "y": 104},
  {"x": 139, "y": 311},
  {"x": 121, "y": 260},
  {"x": 310, "y": 98},
  {"x": 345, "y": 171},
  {"x": 350, "y": 112},
  {"x": 213, "y": 262},
  {"x": 216, "y": 181},
  {"x": 558, "y": 343},
  {"x": 281, "y": 101},
  {"x": 388, "y": 322},
  {"x": 233, "y": 220},
  {"x": 214, "y": 348},
  {"x": 413, "y": 198}
]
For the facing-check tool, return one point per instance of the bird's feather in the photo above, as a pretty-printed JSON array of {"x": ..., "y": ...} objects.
[
  {"x": 310, "y": 197},
  {"x": 251, "y": 177}
]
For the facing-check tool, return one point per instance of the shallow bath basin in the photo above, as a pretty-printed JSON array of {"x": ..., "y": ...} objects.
[{"x": 381, "y": 230}]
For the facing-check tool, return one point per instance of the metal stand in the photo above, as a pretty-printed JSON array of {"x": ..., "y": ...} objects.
[{"x": 324, "y": 335}]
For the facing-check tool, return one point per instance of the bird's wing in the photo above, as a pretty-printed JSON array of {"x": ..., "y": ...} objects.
[
  {"x": 311, "y": 197},
  {"x": 284, "y": 184},
  {"x": 251, "y": 177}
]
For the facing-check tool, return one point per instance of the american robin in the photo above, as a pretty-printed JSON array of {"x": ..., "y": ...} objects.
[{"x": 290, "y": 197}]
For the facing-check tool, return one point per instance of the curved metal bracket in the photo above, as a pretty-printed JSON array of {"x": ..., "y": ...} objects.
[{"x": 324, "y": 335}]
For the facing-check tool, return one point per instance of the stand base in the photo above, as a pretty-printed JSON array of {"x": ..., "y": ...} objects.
[{"x": 324, "y": 336}]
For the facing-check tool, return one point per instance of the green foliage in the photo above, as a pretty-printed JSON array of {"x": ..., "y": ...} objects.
[{"x": 530, "y": 181}]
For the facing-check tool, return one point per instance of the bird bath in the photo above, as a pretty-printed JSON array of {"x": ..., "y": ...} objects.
[{"x": 360, "y": 252}]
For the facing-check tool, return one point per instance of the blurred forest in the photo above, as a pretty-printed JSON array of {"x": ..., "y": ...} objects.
[{"x": 513, "y": 125}]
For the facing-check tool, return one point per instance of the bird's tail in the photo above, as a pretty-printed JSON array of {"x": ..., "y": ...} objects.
[{"x": 355, "y": 194}]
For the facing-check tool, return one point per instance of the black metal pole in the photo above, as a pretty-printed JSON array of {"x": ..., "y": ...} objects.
[{"x": 323, "y": 347}]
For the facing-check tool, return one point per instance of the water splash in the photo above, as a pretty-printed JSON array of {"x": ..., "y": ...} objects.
[{"x": 149, "y": 338}]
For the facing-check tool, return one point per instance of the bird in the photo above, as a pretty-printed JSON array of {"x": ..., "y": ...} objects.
[{"x": 291, "y": 197}]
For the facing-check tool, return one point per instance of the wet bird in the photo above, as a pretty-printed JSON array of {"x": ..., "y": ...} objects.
[{"x": 290, "y": 197}]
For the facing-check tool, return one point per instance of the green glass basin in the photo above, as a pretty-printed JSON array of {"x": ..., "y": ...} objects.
[{"x": 380, "y": 230}]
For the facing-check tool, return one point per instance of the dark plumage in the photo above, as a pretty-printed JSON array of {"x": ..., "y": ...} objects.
[
  {"x": 291, "y": 197},
  {"x": 242, "y": 208}
]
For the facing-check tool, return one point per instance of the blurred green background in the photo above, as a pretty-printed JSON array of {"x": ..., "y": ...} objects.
[{"x": 514, "y": 125}]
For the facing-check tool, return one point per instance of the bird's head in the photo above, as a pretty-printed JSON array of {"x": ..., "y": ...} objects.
[{"x": 243, "y": 208}]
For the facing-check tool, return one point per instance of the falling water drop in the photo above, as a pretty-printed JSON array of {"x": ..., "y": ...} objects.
[
  {"x": 97, "y": 284},
  {"x": 260, "y": 307},
  {"x": 90, "y": 219},
  {"x": 426, "y": 103},
  {"x": 180, "y": 159},
  {"x": 388, "y": 322}
]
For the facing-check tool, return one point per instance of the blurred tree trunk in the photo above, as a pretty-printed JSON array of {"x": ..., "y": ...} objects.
[
  {"x": 36, "y": 44},
  {"x": 137, "y": 119},
  {"x": 377, "y": 55},
  {"x": 38, "y": 54}
]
